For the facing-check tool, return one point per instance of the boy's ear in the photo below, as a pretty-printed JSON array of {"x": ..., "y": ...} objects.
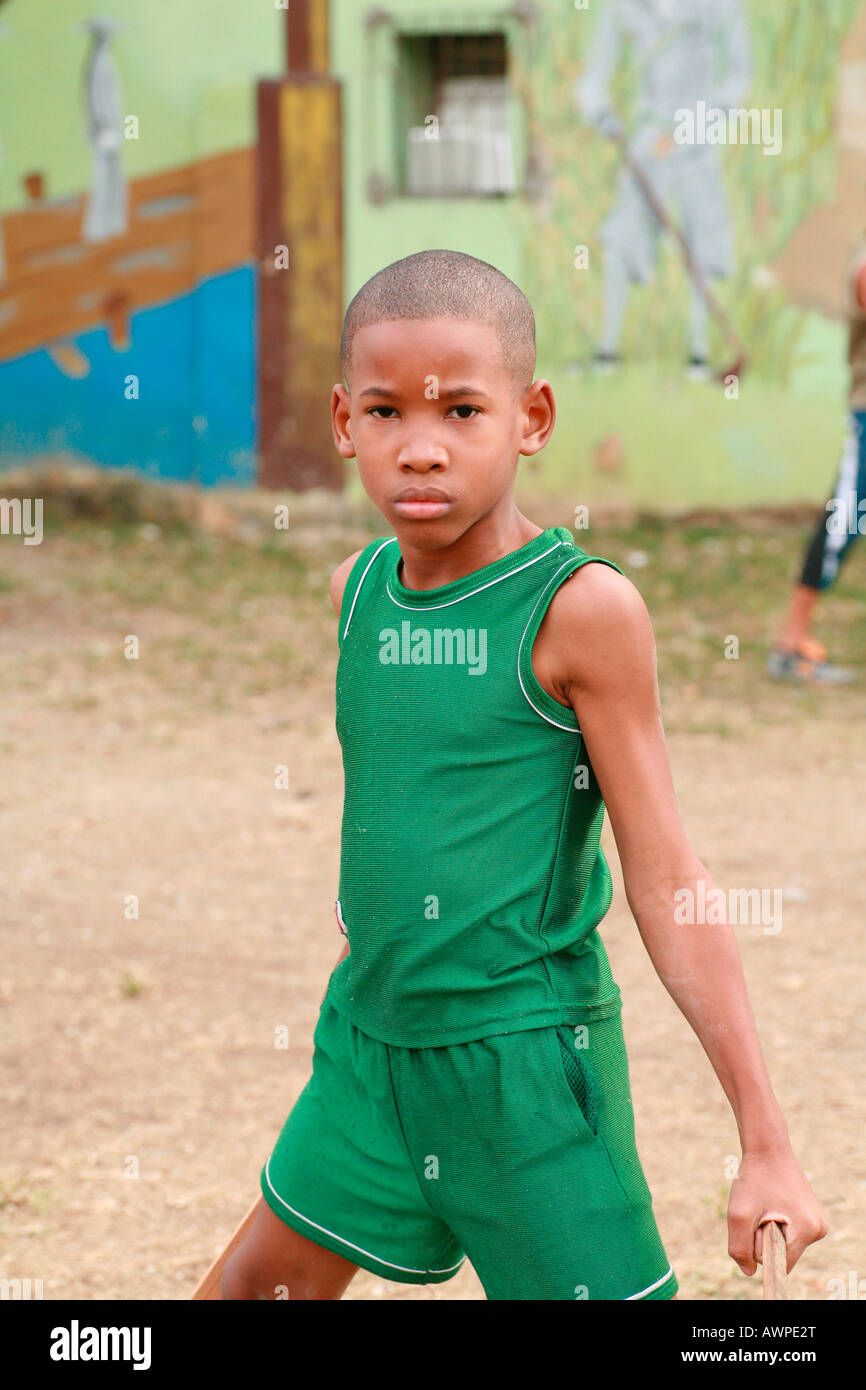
[
  {"x": 341, "y": 408},
  {"x": 539, "y": 414}
]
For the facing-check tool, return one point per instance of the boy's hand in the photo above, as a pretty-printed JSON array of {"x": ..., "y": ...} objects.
[{"x": 772, "y": 1187}]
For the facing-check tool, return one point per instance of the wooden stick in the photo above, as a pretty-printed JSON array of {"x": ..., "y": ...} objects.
[
  {"x": 209, "y": 1287},
  {"x": 775, "y": 1259}
]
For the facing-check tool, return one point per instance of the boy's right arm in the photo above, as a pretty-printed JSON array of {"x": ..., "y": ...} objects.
[{"x": 339, "y": 580}]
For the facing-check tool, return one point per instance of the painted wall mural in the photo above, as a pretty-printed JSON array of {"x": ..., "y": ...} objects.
[
  {"x": 144, "y": 319},
  {"x": 127, "y": 303}
]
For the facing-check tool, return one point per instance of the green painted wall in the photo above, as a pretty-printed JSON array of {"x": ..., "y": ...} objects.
[
  {"x": 684, "y": 443},
  {"x": 365, "y": 61},
  {"x": 187, "y": 70}
]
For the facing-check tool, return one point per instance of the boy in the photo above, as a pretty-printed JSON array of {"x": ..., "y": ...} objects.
[
  {"x": 798, "y": 656},
  {"x": 495, "y": 690}
]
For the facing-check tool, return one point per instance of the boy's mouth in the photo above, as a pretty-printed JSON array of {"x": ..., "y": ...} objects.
[{"x": 422, "y": 502}]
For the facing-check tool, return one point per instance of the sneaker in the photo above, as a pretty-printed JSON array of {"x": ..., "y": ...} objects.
[{"x": 808, "y": 664}]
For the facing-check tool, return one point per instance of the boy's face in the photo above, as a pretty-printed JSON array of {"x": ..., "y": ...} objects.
[{"x": 435, "y": 413}]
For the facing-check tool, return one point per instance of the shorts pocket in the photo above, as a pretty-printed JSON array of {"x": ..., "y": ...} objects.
[
  {"x": 574, "y": 1069},
  {"x": 596, "y": 1077}
]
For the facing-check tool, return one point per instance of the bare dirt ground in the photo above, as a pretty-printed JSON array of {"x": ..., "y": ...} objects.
[{"x": 141, "y": 1085}]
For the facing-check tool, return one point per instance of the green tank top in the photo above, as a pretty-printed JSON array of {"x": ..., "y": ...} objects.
[{"x": 471, "y": 874}]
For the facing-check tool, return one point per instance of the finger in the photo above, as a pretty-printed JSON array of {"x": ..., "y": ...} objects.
[
  {"x": 795, "y": 1243},
  {"x": 797, "y": 1238},
  {"x": 741, "y": 1242}
]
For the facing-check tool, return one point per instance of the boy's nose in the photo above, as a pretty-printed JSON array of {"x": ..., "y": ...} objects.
[{"x": 422, "y": 453}]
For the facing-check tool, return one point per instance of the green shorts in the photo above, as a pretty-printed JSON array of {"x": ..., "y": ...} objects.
[{"x": 516, "y": 1150}]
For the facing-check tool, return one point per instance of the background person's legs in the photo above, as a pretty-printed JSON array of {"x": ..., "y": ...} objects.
[
  {"x": 797, "y": 655},
  {"x": 798, "y": 620}
]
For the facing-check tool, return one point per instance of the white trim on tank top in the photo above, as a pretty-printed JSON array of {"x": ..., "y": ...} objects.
[
  {"x": 429, "y": 607},
  {"x": 389, "y": 541},
  {"x": 568, "y": 728}
]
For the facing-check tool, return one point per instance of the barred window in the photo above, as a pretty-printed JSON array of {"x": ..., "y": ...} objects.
[{"x": 453, "y": 115}]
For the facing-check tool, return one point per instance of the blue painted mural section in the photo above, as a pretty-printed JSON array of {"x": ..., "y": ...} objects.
[{"x": 194, "y": 420}]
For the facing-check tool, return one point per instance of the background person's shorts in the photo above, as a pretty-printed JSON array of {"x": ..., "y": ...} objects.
[{"x": 517, "y": 1150}]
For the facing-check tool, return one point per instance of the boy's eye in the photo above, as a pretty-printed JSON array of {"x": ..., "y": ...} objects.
[{"x": 374, "y": 410}]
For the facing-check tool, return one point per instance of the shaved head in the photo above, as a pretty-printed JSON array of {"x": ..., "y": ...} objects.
[{"x": 447, "y": 284}]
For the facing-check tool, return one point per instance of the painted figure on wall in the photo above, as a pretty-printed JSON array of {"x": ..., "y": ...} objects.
[
  {"x": 3, "y": 32},
  {"x": 106, "y": 212},
  {"x": 690, "y": 54}
]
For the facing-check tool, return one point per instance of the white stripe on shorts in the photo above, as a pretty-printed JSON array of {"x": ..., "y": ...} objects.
[{"x": 657, "y": 1285}]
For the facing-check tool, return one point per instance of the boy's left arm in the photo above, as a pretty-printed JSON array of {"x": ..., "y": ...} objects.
[{"x": 602, "y": 640}]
